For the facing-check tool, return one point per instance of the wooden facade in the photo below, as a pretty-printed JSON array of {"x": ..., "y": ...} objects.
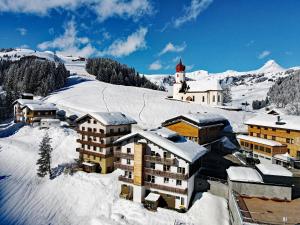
[
  {"x": 138, "y": 175},
  {"x": 200, "y": 135},
  {"x": 290, "y": 138},
  {"x": 262, "y": 149},
  {"x": 96, "y": 142}
]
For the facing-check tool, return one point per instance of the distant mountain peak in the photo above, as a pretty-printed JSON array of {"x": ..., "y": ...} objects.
[{"x": 271, "y": 66}]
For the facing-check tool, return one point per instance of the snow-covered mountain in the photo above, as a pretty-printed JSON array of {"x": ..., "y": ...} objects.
[{"x": 245, "y": 86}]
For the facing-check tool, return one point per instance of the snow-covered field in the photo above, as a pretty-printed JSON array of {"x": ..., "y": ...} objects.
[
  {"x": 81, "y": 198},
  {"x": 93, "y": 198}
]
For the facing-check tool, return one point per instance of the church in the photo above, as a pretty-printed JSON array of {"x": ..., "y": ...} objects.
[{"x": 205, "y": 92}]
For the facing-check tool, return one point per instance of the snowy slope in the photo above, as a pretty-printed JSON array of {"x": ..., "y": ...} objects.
[
  {"x": 245, "y": 86},
  {"x": 81, "y": 199}
]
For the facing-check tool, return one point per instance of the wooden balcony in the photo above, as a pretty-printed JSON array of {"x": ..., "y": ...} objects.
[
  {"x": 102, "y": 135},
  {"x": 165, "y": 188},
  {"x": 160, "y": 173},
  {"x": 91, "y": 143},
  {"x": 123, "y": 166},
  {"x": 160, "y": 160},
  {"x": 125, "y": 179},
  {"x": 94, "y": 153},
  {"x": 122, "y": 155}
]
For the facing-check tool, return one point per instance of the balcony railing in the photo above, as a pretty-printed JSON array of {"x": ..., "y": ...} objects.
[
  {"x": 103, "y": 135},
  {"x": 160, "y": 160},
  {"x": 94, "y": 153},
  {"x": 123, "y": 166},
  {"x": 122, "y": 155},
  {"x": 165, "y": 188},
  {"x": 166, "y": 174},
  {"x": 91, "y": 143},
  {"x": 125, "y": 179}
]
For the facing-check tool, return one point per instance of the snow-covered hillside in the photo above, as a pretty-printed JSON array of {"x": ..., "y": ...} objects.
[
  {"x": 245, "y": 86},
  {"x": 82, "y": 198}
]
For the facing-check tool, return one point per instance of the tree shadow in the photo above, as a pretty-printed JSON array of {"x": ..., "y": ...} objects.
[
  {"x": 11, "y": 130},
  {"x": 4, "y": 177}
]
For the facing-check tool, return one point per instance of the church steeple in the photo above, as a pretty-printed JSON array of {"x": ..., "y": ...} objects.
[{"x": 180, "y": 67}]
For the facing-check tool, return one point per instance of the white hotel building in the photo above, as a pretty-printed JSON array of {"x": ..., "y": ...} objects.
[{"x": 159, "y": 167}]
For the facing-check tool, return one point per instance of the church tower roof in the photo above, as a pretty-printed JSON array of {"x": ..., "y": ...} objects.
[{"x": 180, "y": 67}]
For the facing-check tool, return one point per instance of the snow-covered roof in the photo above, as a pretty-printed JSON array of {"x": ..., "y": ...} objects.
[
  {"x": 274, "y": 169},
  {"x": 286, "y": 121},
  {"x": 247, "y": 174},
  {"x": 152, "y": 197},
  {"x": 204, "y": 85},
  {"x": 49, "y": 120},
  {"x": 27, "y": 101},
  {"x": 285, "y": 157},
  {"x": 110, "y": 118},
  {"x": 259, "y": 140},
  {"x": 177, "y": 145},
  {"x": 204, "y": 118},
  {"x": 41, "y": 107},
  {"x": 28, "y": 94},
  {"x": 200, "y": 119}
]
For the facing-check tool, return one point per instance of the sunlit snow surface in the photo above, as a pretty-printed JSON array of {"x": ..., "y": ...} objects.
[{"x": 79, "y": 199}]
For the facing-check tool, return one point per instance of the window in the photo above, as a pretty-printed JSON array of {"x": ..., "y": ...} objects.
[
  {"x": 101, "y": 131},
  {"x": 265, "y": 128},
  {"x": 167, "y": 155},
  {"x": 242, "y": 143},
  {"x": 251, "y": 133},
  {"x": 166, "y": 168},
  {"x": 151, "y": 179},
  {"x": 94, "y": 139},
  {"x": 89, "y": 121},
  {"x": 88, "y": 147},
  {"x": 214, "y": 98},
  {"x": 178, "y": 182},
  {"x": 258, "y": 135},
  {"x": 288, "y": 131},
  {"x": 273, "y": 138},
  {"x": 182, "y": 201},
  {"x": 256, "y": 147},
  {"x": 152, "y": 166},
  {"x": 95, "y": 130},
  {"x": 177, "y": 197},
  {"x": 181, "y": 170},
  {"x": 152, "y": 153},
  {"x": 193, "y": 98},
  {"x": 89, "y": 129},
  {"x": 251, "y": 126},
  {"x": 95, "y": 121},
  {"x": 111, "y": 131},
  {"x": 273, "y": 129},
  {"x": 258, "y": 127},
  {"x": 129, "y": 174},
  {"x": 219, "y": 98},
  {"x": 203, "y": 99},
  {"x": 83, "y": 128},
  {"x": 288, "y": 140},
  {"x": 128, "y": 150},
  {"x": 261, "y": 148},
  {"x": 128, "y": 161},
  {"x": 166, "y": 180},
  {"x": 288, "y": 150},
  {"x": 265, "y": 136},
  {"x": 119, "y": 130},
  {"x": 94, "y": 148},
  {"x": 268, "y": 150},
  {"x": 82, "y": 146}
]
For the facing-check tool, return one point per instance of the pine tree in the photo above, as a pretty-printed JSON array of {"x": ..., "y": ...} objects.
[{"x": 45, "y": 157}]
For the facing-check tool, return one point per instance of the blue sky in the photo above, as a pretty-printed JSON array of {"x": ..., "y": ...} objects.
[{"x": 150, "y": 35}]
